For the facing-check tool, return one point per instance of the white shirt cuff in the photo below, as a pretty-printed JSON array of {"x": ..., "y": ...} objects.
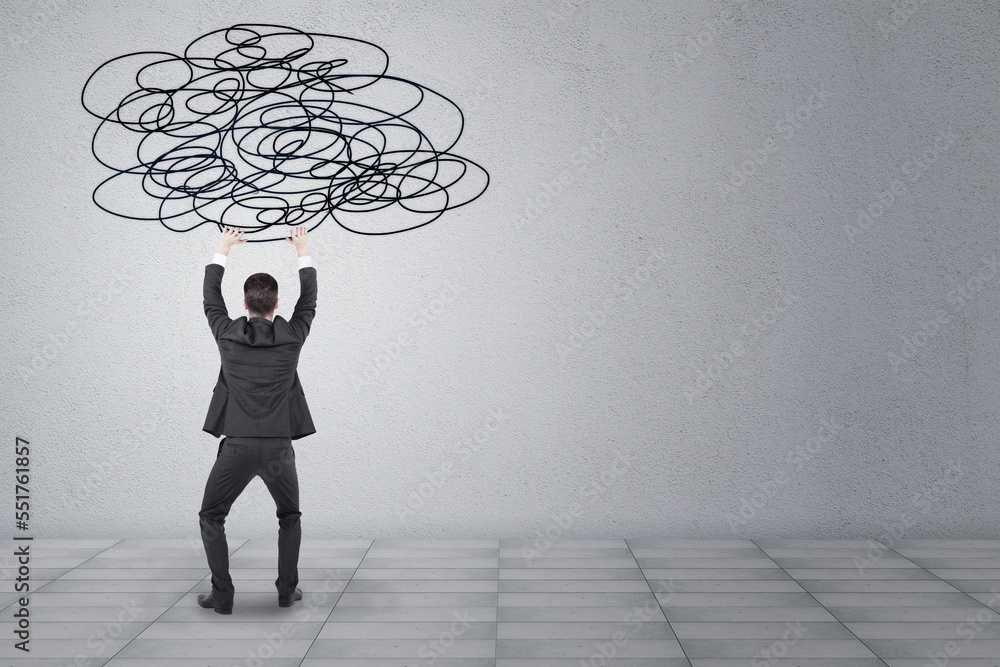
[
  {"x": 219, "y": 258},
  {"x": 305, "y": 261}
]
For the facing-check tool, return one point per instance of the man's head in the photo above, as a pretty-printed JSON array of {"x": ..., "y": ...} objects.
[{"x": 260, "y": 295}]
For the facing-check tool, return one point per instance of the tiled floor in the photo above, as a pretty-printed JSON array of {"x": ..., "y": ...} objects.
[{"x": 512, "y": 603}]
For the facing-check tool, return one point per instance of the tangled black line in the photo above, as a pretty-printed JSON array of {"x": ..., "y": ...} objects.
[{"x": 259, "y": 126}]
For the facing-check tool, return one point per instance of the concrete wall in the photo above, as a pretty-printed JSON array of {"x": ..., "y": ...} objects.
[{"x": 735, "y": 276}]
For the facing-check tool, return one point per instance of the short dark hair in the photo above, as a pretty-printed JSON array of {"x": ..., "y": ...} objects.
[{"x": 261, "y": 292}]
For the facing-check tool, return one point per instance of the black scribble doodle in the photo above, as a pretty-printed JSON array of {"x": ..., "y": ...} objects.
[{"x": 265, "y": 126}]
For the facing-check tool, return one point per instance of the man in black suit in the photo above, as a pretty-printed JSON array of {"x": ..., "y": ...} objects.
[{"x": 259, "y": 404}]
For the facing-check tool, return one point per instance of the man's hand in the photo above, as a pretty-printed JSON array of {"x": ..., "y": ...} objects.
[
  {"x": 299, "y": 238},
  {"x": 230, "y": 237}
]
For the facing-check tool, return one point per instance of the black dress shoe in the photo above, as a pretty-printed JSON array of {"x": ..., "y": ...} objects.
[
  {"x": 209, "y": 601},
  {"x": 285, "y": 601}
]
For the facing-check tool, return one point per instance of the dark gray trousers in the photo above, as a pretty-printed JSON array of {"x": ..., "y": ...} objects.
[{"x": 240, "y": 460}]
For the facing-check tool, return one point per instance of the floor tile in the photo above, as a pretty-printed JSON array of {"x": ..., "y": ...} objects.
[{"x": 521, "y": 603}]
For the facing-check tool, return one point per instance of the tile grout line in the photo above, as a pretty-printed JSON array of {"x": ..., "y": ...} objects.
[
  {"x": 655, "y": 599},
  {"x": 182, "y": 596},
  {"x": 498, "y": 581},
  {"x": 496, "y": 621},
  {"x": 809, "y": 593},
  {"x": 327, "y": 619},
  {"x": 112, "y": 546},
  {"x": 957, "y": 589}
]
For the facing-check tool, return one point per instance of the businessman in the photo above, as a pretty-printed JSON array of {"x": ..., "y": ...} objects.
[{"x": 259, "y": 404}]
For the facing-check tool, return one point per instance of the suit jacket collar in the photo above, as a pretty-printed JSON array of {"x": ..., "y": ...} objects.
[{"x": 260, "y": 319}]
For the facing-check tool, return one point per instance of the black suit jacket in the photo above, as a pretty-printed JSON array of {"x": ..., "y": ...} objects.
[{"x": 258, "y": 393}]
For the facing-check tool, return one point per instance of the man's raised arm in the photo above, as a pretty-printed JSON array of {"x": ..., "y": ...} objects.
[
  {"x": 305, "y": 307},
  {"x": 215, "y": 304}
]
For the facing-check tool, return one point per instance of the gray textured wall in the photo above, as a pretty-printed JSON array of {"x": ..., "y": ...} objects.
[{"x": 735, "y": 276}]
